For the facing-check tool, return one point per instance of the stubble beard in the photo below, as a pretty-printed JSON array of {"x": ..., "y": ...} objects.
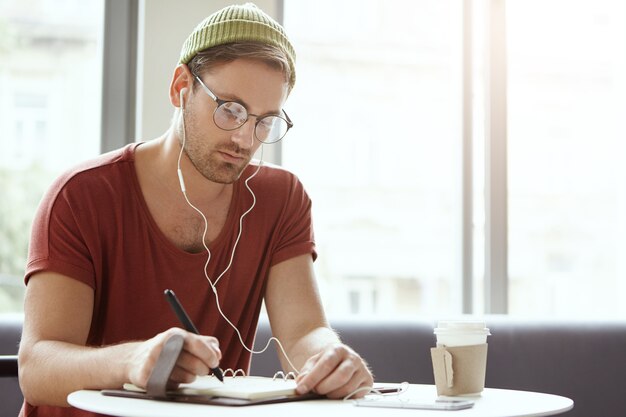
[
  {"x": 216, "y": 171},
  {"x": 206, "y": 161}
]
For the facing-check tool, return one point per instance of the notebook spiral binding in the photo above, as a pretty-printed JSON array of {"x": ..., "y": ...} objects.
[
  {"x": 240, "y": 372},
  {"x": 233, "y": 373},
  {"x": 281, "y": 374}
]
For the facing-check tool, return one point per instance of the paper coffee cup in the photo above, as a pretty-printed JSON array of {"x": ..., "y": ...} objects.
[
  {"x": 460, "y": 358},
  {"x": 461, "y": 333}
]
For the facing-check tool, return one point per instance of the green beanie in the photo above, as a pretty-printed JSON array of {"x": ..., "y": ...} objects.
[{"x": 238, "y": 23}]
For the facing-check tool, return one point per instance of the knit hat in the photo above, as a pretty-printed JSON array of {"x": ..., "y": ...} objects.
[{"x": 238, "y": 23}]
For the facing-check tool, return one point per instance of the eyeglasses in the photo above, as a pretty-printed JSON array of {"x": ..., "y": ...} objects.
[{"x": 230, "y": 115}]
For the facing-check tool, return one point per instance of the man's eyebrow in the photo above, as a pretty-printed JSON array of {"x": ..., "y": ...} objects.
[{"x": 233, "y": 97}]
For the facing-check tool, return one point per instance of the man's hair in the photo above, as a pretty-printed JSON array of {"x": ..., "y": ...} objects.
[
  {"x": 204, "y": 61},
  {"x": 270, "y": 55}
]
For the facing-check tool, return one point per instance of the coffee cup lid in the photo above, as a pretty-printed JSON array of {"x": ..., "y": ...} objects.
[
  {"x": 461, "y": 324},
  {"x": 458, "y": 326}
]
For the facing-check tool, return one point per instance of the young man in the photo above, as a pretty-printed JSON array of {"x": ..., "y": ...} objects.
[{"x": 188, "y": 211}]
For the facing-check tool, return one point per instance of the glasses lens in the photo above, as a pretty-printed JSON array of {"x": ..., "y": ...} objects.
[
  {"x": 271, "y": 129},
  {"x": 230, "y": 115}
]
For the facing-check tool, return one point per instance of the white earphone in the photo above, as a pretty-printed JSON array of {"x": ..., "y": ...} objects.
[
  {"x": 182, "y": 110},
  {"x": 213, "y": 284},
  {"x": 183, "y": 91}
]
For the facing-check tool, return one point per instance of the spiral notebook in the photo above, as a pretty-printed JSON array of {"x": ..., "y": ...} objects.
[
  {"x": 241, "y": 387},
  {"x": 237, "y": 389}
]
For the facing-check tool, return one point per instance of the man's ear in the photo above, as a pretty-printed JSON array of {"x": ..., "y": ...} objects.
[{"x": 182, "y": 80}]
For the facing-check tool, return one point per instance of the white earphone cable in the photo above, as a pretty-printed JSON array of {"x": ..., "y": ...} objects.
[{"x": 232, "y": 255}]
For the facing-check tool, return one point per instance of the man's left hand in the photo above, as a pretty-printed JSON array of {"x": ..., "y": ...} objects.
[{"x": 335, "y": 372}]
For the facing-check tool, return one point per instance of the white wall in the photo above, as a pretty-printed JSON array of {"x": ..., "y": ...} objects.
[{"x": 163, "y": 27}]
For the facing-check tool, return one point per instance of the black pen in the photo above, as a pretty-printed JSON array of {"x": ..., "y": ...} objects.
[{"x": 187, "y": 323}]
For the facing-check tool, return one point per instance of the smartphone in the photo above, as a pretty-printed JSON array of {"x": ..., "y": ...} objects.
[{"x": 419, "y": 405}]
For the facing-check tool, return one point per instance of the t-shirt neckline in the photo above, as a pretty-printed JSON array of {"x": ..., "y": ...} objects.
[{"x": 229, "y": 224}]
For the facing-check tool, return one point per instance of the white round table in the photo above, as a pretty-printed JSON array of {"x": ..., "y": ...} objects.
[{"x": 492, "y": 403}]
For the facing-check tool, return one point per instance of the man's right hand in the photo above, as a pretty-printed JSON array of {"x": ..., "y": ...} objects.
[{"x": 199, "y": 355}]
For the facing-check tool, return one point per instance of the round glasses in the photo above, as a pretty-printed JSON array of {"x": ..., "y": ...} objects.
[{"x": 231, "y": 115}]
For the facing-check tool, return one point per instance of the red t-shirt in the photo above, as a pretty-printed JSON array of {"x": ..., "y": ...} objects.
[{"x": 93, "y": 225}]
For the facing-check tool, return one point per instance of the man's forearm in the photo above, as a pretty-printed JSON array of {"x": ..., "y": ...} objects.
[
  {"x": 308, "y": 345},
  {"x": 50, "y": 370}
]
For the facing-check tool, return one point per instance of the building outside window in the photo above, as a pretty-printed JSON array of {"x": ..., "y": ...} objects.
[
  {"x": 50, "y": 94},
  {"x": 378, "y": 120}
]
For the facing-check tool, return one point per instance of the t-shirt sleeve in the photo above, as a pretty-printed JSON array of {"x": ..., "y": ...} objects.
[
  {"x": 295, "y": 230},
  {"x": 58, "y": 242}
]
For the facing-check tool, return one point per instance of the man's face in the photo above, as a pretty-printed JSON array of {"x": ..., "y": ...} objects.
[{"x": 219, "y": 155}]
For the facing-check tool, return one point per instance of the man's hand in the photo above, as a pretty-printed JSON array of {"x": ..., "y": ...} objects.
[
  {"x": 199, "y": 354},
  {"x": 336, "y": 371}
]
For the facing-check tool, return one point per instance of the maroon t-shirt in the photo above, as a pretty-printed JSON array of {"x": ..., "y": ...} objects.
[{"x": 93, "y": 225}]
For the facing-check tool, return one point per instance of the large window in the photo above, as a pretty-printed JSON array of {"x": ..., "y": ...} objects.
[
  {"x": 394, "y": 110},
  {"x": 380, "y": 144},
  {"x": 377, "y": 145},
  {"x": 567, "y": 157},
  {"x": 50, "y": 95}
]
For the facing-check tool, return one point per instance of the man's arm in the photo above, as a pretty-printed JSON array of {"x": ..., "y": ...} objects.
[
  {"x": 53, "y": 358},
  {"x": 297, "y": 318}
]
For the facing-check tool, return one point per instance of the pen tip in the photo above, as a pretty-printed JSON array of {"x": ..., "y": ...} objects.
[{"x": 218, "y": 373}]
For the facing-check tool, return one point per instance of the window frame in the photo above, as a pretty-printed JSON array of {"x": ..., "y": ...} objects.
[{"x": 119, "y": 74}]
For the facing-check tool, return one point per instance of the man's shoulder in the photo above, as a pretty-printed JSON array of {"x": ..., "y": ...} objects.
[
  {"x": 271, "y": 175},
  {"x": 99, "y": 168},
  {"x": 94, "y": 176},
  {"x": 284, "y": 187}
]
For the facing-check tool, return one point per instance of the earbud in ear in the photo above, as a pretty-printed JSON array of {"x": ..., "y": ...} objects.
[{"x": 183, "y": 91}]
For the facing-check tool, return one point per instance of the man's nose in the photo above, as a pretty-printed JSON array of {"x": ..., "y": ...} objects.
[{"x": 244, "y": 135}]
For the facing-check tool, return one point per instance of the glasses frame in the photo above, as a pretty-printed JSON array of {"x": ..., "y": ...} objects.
[{"x": 221, "y": 102}]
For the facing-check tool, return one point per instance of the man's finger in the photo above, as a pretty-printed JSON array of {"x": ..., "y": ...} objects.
[
  {"x": 205, "y": 348},
  {"x": 324, "y": 366},
  {"x": 340, "y": 376}
]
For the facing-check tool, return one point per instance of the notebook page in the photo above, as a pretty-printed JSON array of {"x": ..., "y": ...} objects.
[{"x": 249, "y": 387}]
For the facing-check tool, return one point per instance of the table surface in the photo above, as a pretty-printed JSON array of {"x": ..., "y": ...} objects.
[{"x": 491, "y": 403}]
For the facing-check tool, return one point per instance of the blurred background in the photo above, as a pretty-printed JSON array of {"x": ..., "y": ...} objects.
[{"x": 463, "y": 156}]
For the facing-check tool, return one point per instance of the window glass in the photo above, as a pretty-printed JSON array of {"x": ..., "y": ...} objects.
[
  {"x": 50, "y": 83},
  {"x": 567, "y": 157},
  {"x": 377, "y": 143}
]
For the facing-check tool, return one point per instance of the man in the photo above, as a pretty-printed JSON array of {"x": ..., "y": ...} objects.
[{"x": 190, "y": 212}]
